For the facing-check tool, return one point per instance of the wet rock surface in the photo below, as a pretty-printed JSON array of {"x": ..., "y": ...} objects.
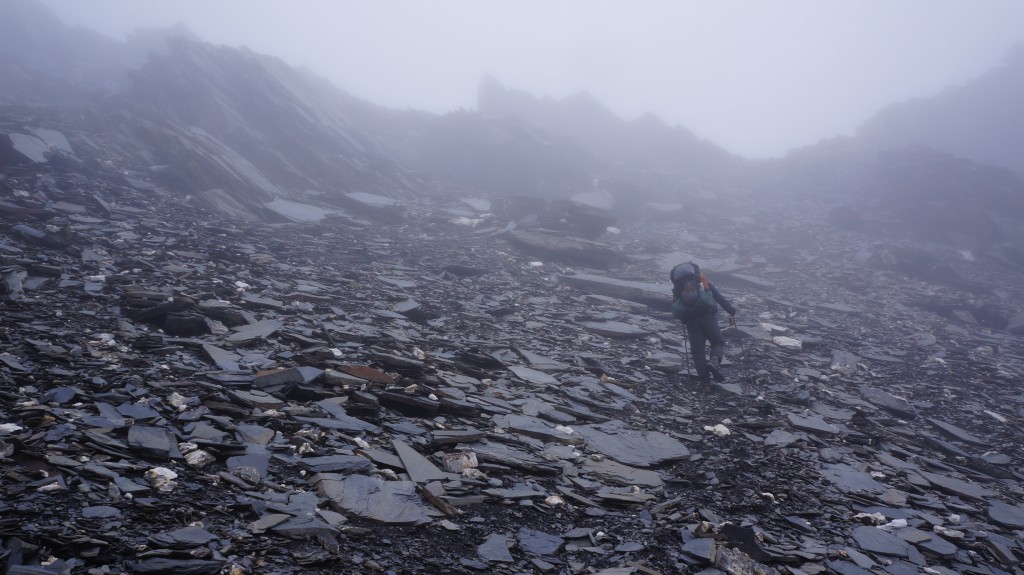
[{"x": 187, "y": 394}]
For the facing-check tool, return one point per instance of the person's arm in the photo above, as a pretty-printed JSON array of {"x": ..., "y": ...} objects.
[{"x": 722, "y": 300}]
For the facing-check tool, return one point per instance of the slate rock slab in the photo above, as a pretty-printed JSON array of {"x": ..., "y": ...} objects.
[
  {"x": 533, "y": 375},
  {"x": 701, "y": 548},
  {"x": 419, "y": 468},
  {"x": 888, "y": 402},
  {"x": 564, "y": 248},
  {"x": 619, "y": 474},
  {"x": 781, "y": 438},
  {"x": 253, "y": 331},
  {"x": 956, "y": 432},
  {"x": 536, "y": 542},
  {"x": 928, "y": 543},
  {"x": 344, "y": 464},
  {"x": 256, "y": 398},
  {"x": 631, "y": 446},
  {"x": 640, "y": 292},
  {"x": 495, "y": 549},
  {"x": 150, "y": 441},
  {"x": 250, "y": 464},
  {"x": 813, "y": 423},
  {"x": 850, "y": 480},
  {"x": 848, "y": 568},
  {"x": 257, "y": 434},
  {"x": 736, "y": 562},
  {"x": 170, "y": 566},
  {"x": 519, "y": 491},
  {"x": 391, "y": 502},
  {"x": 226, "y": 360},
  {"x": 843, "y": 361},
  {"x": 1005, "y": 514},
  {"x": 957, "y": 487},
  {"x": 184, "y": 538},
  {"x": 137, "y": 411},
  {"x": 268, "y": 521},
  {"x": 539, "y": 429},
  {"x": 502, "y": 454},
  {"x": 346, "y": 421},
  {"x": 840, "y": 307},
  {"x": 100, "y": 512},
  {"x": 614, "y": 329},
  {"x": 875, "y": 540},
  {"x": 348, "y": 424}
]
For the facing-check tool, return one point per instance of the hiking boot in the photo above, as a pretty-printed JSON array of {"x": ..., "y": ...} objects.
[{"x": 713, "y": 368}]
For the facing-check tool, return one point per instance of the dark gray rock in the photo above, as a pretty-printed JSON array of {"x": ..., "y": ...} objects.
[
  {"x": 701, "y": 548},
  {"x": 850, "y": 480},
  {"x": 100, "y": 512},
  {"x": 956, "y": 432},
  {"x": 630, "y": 446},
  {"x": 160, "y": 565},
  {"x": 536, "y": 542},
  {"x": 655, "y": 295},
  {"x": 343, "y": 464},
  {"x": 565, "y": 248},
  {"x": 811, "y": 422},
  {"x": 1006, "y": 514},
  {"x": 957, "y": 487},
  {"x": 874, "y": 540},
  {"x": 389, "y": 502},
  {"x": 153, "y": 442},
  {"x": 735, "y": 562},
  {"x": 184, "y": 538},
  {"x": 888, "y": 402},
  {"x": 419, "y": 468},
  {"x": 495, "y": 549}
]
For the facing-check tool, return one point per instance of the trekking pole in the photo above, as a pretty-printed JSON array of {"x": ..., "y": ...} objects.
[
  {"x": 686, "y": 346},
  {"x": 736, "y": 330}
]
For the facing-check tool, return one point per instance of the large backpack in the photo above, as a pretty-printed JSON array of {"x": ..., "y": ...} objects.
[{"x": 691, "y": 292}]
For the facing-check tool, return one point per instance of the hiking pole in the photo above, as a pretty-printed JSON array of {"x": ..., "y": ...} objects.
[
  {"x": 686, "y": 346},
  {"x": 736, "y": 330}
]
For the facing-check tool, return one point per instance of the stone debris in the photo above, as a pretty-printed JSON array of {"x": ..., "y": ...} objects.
[{"x": 185, "y": 393}]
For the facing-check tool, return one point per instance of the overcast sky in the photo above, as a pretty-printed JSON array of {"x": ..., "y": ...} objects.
[{"x": 754, "y": 76}]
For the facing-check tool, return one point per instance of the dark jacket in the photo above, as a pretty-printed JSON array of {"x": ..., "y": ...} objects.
[{"x": 720, "y": 300}]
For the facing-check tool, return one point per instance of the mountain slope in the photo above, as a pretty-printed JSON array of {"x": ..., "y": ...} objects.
[
  {"x": 643, "y": 144},
  {"x": 982, "y": 120},
  {"x": 298, "y": 133},
  {"x": 233, "y": 130}
]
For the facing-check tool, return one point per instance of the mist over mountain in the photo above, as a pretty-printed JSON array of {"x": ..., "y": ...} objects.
[
  {"x": 46, "y": 62},
  {"x": 646, "y": 143},
  {"x": 232, "y": 130},
  {"x": 982, "y": 120}
]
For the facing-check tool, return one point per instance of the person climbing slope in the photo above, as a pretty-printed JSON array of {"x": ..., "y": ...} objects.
[{"x": 695, "y": 302}]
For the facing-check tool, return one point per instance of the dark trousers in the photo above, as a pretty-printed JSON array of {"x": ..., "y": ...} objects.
[{"x": 701, "y": 329}]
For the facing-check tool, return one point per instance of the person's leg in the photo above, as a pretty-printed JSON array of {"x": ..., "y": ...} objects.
[
  {"x": 695, "y": 330},
  {"x": 709, "y": 324},
  {"x": 714, "y": 335}
]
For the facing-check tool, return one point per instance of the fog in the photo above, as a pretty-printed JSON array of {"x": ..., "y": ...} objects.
[{"x": 757, "y": 78}]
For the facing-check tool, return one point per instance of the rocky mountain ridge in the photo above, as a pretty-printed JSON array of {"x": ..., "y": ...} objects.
[
  {"x": 234, "y": 131},
  {"x": 252, "y": 324},
  {"x": 982, "y": 119}
]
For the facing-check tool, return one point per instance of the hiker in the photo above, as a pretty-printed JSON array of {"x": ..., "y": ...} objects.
[{"x": 695, "y": 302}]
